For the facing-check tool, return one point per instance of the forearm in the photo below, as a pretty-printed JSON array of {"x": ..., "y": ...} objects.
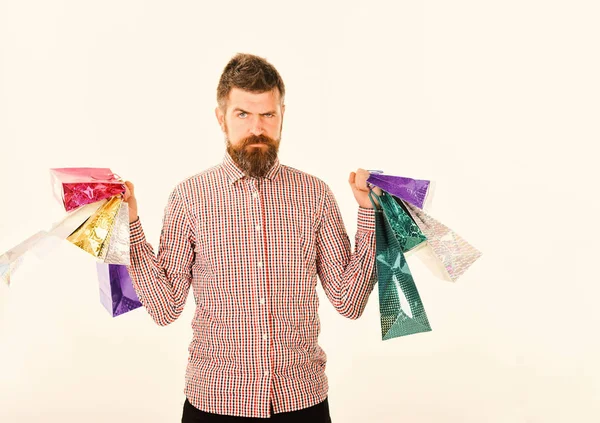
[
  {"x": 351, "y": 277},
  {"x": 157, "y": 293}
]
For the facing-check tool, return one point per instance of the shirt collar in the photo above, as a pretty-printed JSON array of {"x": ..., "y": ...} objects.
[{"x": 234, "y": 173}]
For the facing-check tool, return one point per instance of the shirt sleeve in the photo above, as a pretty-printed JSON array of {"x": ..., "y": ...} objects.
[
  {"x": 162, "y": 281},
  {"x": 347, "y": 277}
]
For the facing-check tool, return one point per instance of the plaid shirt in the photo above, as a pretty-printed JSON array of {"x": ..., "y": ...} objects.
[{"x": 251, "y": 250}]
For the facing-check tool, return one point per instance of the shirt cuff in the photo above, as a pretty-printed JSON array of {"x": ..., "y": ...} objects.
[
  {"x": 136, "y": 233},
  {"x": 366, "y": 219}
]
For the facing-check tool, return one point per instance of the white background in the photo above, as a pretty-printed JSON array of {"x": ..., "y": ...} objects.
[{"x": 498, "y": 102}]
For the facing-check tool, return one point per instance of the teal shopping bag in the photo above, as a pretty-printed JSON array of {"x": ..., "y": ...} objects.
[
  {"x": 400, "y": 306},
  {"x": 407, "y": 232}
]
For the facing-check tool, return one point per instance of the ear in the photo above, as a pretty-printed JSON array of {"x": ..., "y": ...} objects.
[{"x": 220, "y": 117}]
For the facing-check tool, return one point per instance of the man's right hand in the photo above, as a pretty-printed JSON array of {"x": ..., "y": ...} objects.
[{"x": 130, "y": 199}]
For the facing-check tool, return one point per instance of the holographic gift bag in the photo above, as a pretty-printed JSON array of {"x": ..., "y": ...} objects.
[
  {"x": 116, "y": 289},
  {"x": 78, "y": 186},
  {"x": 118, "y": 246},
  {"x": 400, "y": 306},
  {"x": 455, "y": 254}
]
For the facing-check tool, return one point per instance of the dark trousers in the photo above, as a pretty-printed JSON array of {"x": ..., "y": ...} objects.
[{"x": 316, "y": 414}]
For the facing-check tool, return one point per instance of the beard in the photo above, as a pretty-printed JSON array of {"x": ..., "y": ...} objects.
[{"x": 255, "y": 161}]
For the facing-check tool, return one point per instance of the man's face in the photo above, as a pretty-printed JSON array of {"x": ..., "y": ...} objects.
[{"x": 252, "y": 125}]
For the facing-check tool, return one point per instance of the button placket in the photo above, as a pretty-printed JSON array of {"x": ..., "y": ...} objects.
[{"x": 263, "y": 293}]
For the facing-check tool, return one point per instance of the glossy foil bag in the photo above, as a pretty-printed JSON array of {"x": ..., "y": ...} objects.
[
  {"x": 118, "y": 247},
  {"x": 116, "y": 289},
  {"x": 407, "y": 232},
  {"x": 456, "y": 254},
  {"x": 78, "y": 186},
  {"x": 94, "y": 235},
  {"x": 414, "y": 191},
  {"x": 401, "y": 309},
  {"x": 43, "y": 242}
]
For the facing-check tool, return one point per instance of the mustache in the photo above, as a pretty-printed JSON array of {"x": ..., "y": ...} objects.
[{"x": 257, "y": 139}]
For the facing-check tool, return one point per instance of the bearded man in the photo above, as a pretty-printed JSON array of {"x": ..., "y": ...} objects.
[{"x": 250, "y": 236}]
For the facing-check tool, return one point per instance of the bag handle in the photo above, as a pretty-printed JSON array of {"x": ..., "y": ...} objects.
[
  {"x": 112, "y": 177},
  {"x": 371, "y": 194}
]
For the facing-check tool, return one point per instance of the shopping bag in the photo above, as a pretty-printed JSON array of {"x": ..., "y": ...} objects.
[
  {"x": 12, "y": 259},
  {"x": 43, "y": 242},
  {"x": 456, "y": 254},
  {"x": 415, "y": 191},
  {"x": 117, "y": 294},
  {"x": 94, "y": 235},
  {"x": 77, "y": 186},
  {"x": 119, "y": 245},
  {"x": 406, "y": 230},
  {"x": 401, "y": 309}
]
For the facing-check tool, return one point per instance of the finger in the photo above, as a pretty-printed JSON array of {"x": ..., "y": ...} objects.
[
  {"x": 361, "y": 179},
  {"x": 128, "y": 191},
  {"x": 352, "y": 178}
]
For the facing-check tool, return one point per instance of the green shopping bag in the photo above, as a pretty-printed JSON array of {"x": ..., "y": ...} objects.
[
  {"x": 400, "y": 307},
  {"x": 406, "y": 230}
]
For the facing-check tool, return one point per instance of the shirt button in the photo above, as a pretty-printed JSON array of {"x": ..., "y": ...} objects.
[
  {"x": 265, "y": 337},
  {"x": 259, "y": 264},
  {"x": 255, "y": 194},
  {"x": 266, "y": 373},
  {"x": 262, "y": 301},
  {"x": 258, "y": 227}
]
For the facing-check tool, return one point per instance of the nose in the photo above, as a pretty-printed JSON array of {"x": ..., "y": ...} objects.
[{"x": 256, "y": 127}]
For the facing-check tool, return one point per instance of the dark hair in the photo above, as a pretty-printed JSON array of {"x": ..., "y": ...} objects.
[{"x": 249, "y": 73}]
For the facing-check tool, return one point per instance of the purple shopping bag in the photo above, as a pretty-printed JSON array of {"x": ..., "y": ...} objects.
[
  {"x": 116, "y": 290},
  {"x": 414, "y": 191}
]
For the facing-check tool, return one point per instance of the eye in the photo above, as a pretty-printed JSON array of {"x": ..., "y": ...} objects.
[
  {"x": 242, "y": 115},
  {"x": 269, "y": 115}
]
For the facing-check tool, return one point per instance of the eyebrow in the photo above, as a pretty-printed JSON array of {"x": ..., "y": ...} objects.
[{"x": 237, "y": 109}]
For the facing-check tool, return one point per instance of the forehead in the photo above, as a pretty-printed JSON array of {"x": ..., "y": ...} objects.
[{"x": 249, "y": 101}]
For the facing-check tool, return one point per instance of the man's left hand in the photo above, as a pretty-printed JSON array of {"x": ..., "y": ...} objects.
[{"x": 358, "y": 183}]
